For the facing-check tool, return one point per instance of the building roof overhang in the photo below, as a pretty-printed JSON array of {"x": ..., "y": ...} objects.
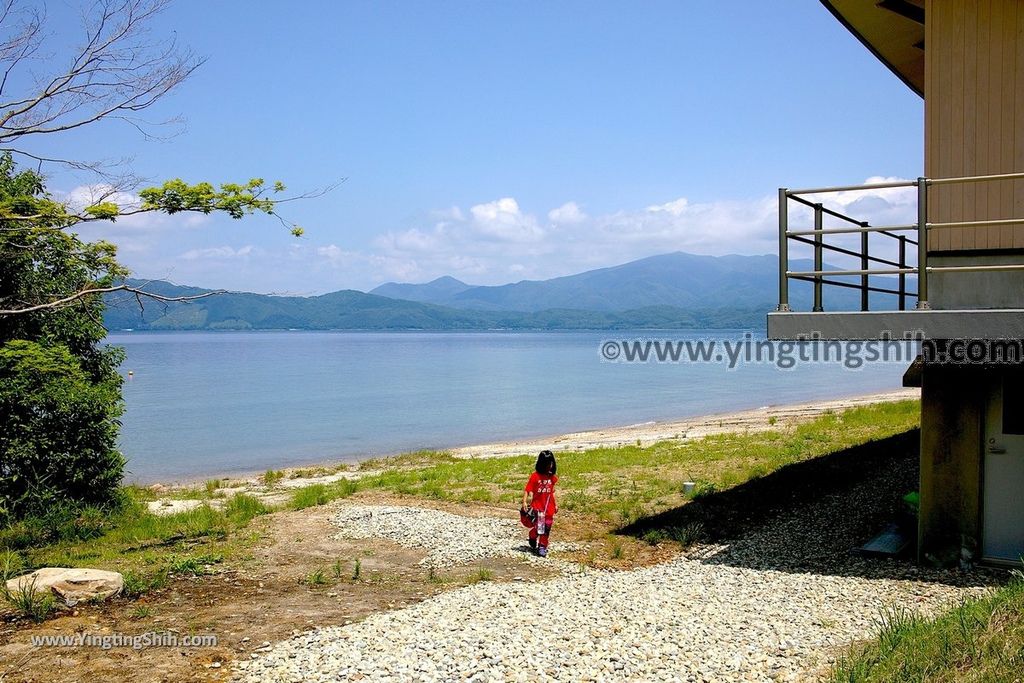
[{"x": 892, "y": 29}]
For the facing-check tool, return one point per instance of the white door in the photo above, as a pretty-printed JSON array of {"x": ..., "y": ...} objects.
[{"x": 1003, "y": 492}]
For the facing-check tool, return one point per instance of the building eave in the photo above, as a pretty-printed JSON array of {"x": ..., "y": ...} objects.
[{"x": 894, "y": 38}]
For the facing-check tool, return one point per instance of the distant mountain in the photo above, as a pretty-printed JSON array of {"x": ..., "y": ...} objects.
[
  {"x": 352, "y": 310},
  {"x": 435, "y": 291},
  {"x": 681, "y": 280},
  {"x": 672, "y": 291}
]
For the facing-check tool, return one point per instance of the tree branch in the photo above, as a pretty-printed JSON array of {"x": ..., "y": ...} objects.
[{"x": 58, "y": 303}]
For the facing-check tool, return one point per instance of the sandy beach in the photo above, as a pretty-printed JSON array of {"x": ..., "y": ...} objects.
[{"x": 646, "y": 433}]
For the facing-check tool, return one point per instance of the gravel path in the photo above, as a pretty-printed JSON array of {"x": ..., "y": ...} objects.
[
  {"x": 450, "y": 539},
  {"x": 684, "y": 620},
  {"x": 770, "y": 605},
  {"x": 709, "y": 617}
]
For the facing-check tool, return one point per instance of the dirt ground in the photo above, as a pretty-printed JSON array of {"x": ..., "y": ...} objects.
[{"x": 267, "y": 597}]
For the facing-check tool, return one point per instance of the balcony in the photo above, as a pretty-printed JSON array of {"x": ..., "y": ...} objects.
[{"x": 976, "y": 293}]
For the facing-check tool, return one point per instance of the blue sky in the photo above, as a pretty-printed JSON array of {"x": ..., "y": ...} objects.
[{"x": 498, "y": 141}]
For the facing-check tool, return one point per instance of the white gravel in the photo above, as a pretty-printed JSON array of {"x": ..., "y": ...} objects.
[
  {"x": 680, "y": 621},
  {"x": 773, "y": 605},
  {"x": 450, "y": 539}
]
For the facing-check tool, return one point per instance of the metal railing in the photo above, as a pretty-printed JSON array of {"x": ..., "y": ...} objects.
[{"x": 911, "y": 234}]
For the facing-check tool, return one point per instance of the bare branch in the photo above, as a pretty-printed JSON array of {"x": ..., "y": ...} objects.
[
  {"x": 119, "y": 71},
  {"x": 65, "y": 301}
]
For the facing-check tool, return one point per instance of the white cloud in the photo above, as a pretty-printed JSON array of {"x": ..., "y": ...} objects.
[
  {"x": 676, "y": 207},
  {"x": 496, "y": 242},
  {"x": 219, "y": 253},
  {"x": 467, "y": 247},
  {"x": 567, "y": 214},
  {"x": 502, "y": 220}
]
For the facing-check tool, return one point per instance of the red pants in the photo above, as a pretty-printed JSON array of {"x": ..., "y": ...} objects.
[{"x": 542, "y": 539}]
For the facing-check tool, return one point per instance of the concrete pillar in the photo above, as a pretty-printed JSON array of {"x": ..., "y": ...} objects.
[{"x": 952, "y": 410}]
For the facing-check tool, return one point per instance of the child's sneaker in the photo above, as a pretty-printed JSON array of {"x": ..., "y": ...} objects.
[
  {"x": 542, "y": 551},
  {"x": 533, "y": 543}
]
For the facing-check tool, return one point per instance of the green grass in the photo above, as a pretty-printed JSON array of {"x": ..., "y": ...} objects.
[
  {"x": 30, "y": 601},
  {"x": 144, "y": 547},
  {"x": 622, "y": 484},
  {"x": 980, "y": 640},
  {"x": 481, "y": 574},
  {"x": 315, "y": 578},
  {"x": 321, "y": 494}
]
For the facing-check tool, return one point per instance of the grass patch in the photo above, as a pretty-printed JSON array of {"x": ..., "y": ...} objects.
[
  {"x": 242, "y": 507},
  {"x": 481, "y": 574},
  {"x": 321, "y": 494},
  {"x": 619, "y": 485},
  {"x": 317, "y": 577},
  {"x": 144, "y": 547},
  {"x": 271, "y": 477},
  {"x": 980, "y": 640},
  {"x": 30, "y": 601},
  {"x": 194, "y": 565}
]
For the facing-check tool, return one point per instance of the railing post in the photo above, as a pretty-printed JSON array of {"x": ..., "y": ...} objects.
[
  {"x": 864, "y": 281},
  {"x": 783, "y": 250},
  {"x": 922, "y": 243},
  {"x": 818, "y": 262},
  {"x": 903, "y": 276}
]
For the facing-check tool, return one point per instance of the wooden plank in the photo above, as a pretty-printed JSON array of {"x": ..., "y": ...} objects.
[
  {"x": 1018, "y": 142},
  {"x": 969, "y": 96},
  {"x": 981, "y": 94},
  {"x": 995, "y": 110},
  {"x": 1008, "y": 60},
  {"x": 959, "y": 238}
]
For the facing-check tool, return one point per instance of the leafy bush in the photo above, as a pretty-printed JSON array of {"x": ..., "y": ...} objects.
[{"x": 58, "y": 446}]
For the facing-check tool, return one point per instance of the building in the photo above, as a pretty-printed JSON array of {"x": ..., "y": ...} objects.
[{"x": 954, "y": 276}]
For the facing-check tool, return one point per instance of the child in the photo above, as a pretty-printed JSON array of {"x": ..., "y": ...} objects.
[{"x": 542, "y": 504}]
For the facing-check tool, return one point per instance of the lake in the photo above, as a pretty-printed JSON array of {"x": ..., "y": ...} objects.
[{"x": 209, "y": 403}]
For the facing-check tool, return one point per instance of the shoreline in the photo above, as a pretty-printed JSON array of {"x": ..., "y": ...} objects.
[{"x": 646, "y": 433}]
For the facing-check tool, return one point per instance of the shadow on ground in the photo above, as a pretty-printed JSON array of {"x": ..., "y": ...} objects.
[{"x": 808, "y": 517}]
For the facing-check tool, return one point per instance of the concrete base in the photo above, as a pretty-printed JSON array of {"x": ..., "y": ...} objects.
[{"x": 930, "y": 324}]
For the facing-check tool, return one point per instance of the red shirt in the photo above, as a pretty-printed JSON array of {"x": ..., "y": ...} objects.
[{"x": 543, "y": 489}]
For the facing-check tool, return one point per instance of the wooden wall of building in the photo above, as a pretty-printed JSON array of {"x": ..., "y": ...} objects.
[{"x": 974, "y": 118}]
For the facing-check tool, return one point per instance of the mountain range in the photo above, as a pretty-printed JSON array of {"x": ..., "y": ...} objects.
[{"x": 669, "y": 291}]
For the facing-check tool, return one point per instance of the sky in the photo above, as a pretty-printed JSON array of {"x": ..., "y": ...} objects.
[{"x": 495, "y": 141}]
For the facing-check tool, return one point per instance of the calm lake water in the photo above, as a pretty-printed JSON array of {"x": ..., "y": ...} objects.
[{"x": 202, "y": 404}]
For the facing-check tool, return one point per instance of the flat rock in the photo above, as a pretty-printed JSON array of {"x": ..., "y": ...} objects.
[
  {"x": 171, "y": 506},
  {"x": 72, "y": 585}
]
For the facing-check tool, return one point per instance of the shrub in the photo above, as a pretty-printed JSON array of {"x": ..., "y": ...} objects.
[{"x": 58, "y": 447}]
